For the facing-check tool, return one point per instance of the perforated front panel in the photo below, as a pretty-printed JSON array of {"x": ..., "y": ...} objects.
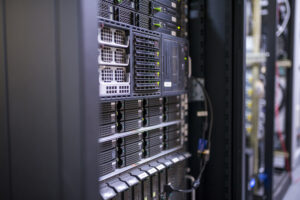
[
  {"x": 111, "y": 89},
  {"x": 106, "y": 54},
  {"x": 106, "y": 34},
  {"x": 107, "y": 74},
  {"x": 119, "y": 37},
  {"x": 120, "y": 75},
  {"x": 120, "y": 56}
]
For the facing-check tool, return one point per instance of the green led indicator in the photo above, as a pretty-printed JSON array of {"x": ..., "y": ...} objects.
[
  {"x": 178, "y": 27},
  {"x": 185, "y": 58},
  {"x": 158, "y": 25},
  {"x": 158, "y": 9}
]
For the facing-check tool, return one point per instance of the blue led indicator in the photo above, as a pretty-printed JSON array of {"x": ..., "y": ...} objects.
[
  {"x": 252, "y": 183},
  {"x": 262, "y": 177}
]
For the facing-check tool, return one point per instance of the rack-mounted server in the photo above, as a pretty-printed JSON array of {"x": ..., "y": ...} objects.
[{"x": 143, "y": 70}]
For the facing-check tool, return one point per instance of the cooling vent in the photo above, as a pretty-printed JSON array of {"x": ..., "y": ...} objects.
[
  {"x": 106, "y": 35},
  {"x": 113, "y": 37},
  {"x": 126, "y": 20},
  {"x": 125, "y": 3},
  {"x": 120, "y": 56},
  {"x": 113, "y": 59},
  {"x": 113, "y": 81},
  {"x": 144, "y": 9},
  {"x": 107, "y": 15},
  {"x": 142, "y": 21},
  {"x": 120, "y": 74},
  {"x": 106, "y": 74},
  {"x": 113, "y": 56},
  {"x": 107, "y": 55},
  {"x": 105, "y": 10},
  {"x": 104, "y": 7},
  {"x": 147, "y": 65},
  {"x": 120, "y": 37}
]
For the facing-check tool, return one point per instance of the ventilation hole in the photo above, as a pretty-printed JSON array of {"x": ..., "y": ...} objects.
[
  {"x": 119, "y": 37},
  {"x": 106, "y": 54},
  {"x": 106, "y": 34}
]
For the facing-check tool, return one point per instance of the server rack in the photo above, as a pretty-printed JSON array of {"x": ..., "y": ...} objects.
[
  {"x": 218, "y": 72},
  {"x": 281, "y": 174},
  {"x": 242, "y": 177},
  {"x": 143, "y": 67},
  {"x": 73, "y": 55},
  {"x": 269, "y": 29},
  {"x": 57, "y": 132}
]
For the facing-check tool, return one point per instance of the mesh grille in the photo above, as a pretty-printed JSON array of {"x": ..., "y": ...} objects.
[
  {"x": 120, "y": 56},
  {"x": 104, "y": 7},
  {"x": 107, "y": 74},
  {"x": 106, "y": 34},
  {"x": 144, "y": 25},
  {"x": 144, "y": 9},
  {"x": 105, "y": 15},
  {"x": 111, "y": 89},
  {"x": 120, "y": 75},
  {"x": 144, "y": 19},
  {"x": 119, "y": 37},
  {"x": 147, "y": 76},
  {"x": 124, "y": 13},
  {"x": 106, "y": 54},
  {"x": 125, "y": 20},
  {"x": 124, "y": 89},
  {"x": 126, "y": 3},
  {"x": 144, "y": 2}
]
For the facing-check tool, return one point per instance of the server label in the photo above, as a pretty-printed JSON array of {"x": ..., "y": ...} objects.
[
  {"x": 168, "y": 84},
  {"x": 174, "y": 19}
]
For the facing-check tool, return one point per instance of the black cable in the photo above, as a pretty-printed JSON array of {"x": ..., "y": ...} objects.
[
  {"x": 207, "y": 101},
  {"x": 284, "y": 97},
  {"x": 205, "y": 126}
]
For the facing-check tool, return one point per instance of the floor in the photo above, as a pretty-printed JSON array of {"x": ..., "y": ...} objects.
[{"x": 293, "y": 192}]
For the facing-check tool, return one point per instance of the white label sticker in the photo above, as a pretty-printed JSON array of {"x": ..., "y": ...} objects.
[
  {"x": 168, "y": 84},
  {"x": 173, "y": 5},
  {"x": 160, "y": 167},
  {"x": 121, "y": 187},
  {"x": 174, "y": 19},
  {"x": 108, "y": 194},
  {"x": 132, "y": 181},
  {"x": 152, "y": 171},
  {"x": 168, "y": 163},
  {"x": 175, "y": 160},
  {"x": 181, "y": 157},
  {"x": 143, "y": 175},
  {"x": 173, "y": 33}
]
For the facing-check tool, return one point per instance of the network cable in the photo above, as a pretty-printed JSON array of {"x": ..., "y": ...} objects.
[{"x": 169, "y": 188}]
